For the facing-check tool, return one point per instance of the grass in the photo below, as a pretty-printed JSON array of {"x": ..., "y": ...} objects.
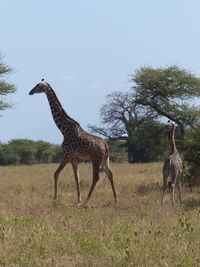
[{"x": 37, "y": 231}]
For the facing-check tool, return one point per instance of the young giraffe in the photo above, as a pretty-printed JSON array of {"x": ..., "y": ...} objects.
[
  {"x": 77, "y": 144},
  {"x": 173, "y": 165}
]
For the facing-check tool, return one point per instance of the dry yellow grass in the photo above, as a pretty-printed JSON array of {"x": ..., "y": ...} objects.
[{"x": 37, "y": 231}]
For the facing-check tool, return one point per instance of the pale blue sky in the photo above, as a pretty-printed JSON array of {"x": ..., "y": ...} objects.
[{"x": 85, "y": 49}]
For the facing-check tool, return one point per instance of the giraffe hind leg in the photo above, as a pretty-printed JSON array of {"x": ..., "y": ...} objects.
[
  {"x": 173, "y": 194},
  {"x": 110, "y": 177},
  {"x": 165, "y": 184},
  {"x": 174, "y": 180}
]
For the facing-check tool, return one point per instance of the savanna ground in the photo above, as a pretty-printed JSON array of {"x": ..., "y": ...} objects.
[{"x": 37, "y": 231}]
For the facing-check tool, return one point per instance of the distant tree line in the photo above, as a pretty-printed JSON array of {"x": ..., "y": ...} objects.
[{"x": 24, "y": 151}]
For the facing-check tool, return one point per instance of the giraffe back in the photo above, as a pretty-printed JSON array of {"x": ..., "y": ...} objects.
[
  {"x": 173, "y": 164},
  {"x": 79, "y": 144}
]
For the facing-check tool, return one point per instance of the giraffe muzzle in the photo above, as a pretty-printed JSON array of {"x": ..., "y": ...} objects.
[{"x": 31, "y": 92}]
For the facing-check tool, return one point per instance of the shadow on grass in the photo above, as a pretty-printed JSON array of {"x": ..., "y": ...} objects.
[
  {"x": 191, "y": 203},
  {"x": 145, "y": 189}
]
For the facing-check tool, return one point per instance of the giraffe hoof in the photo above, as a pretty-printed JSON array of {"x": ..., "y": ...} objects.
[
  {"x": 83, "y": 205},
  {"x": 113, "y": 204}
]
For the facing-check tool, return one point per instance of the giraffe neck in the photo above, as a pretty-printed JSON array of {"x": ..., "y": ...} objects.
[
  {"x": 62, "y": 120},
  {"x": 172, "y": 140}
]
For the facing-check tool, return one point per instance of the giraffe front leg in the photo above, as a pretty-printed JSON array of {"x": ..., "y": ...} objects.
[
  {"x": 77, "y": 179},
  {"x": 166, "y": 174},
  {"x": 56, "y": 174},
  {"x": 94, "y": 181},
  {"x": 164, "y": 188}
]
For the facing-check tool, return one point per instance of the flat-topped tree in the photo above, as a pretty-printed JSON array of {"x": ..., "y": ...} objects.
[{"x": 77, "y": 143}]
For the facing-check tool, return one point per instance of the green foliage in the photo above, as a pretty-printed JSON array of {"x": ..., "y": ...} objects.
[
  {"x": 57, "y": 153},
  {"x": 149, "y": 142},
  {"x": 192, "y": 156},
  {"x": 165, "y": 84},
  {"x": 141, "y": 146},
  {"x": 8, "y": 156},
  {"x": 118, "y": 151},
  {"x": 23, "y": 151},
  {"x": 192, "y": 145},
  {"x": 5, "y": 87},
  {"x": 43, "y": 152},
  {"x": 169, "y": 91}
]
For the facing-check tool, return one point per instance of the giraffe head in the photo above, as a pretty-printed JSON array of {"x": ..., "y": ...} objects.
[
  {"x": 41, "y": 87},
  {"x": 169, "y": 126}
]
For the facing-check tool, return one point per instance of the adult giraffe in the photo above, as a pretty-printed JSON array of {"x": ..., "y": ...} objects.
[{"x": 77, "y": 144}]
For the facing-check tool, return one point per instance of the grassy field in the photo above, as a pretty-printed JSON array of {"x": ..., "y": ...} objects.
[{"x": 37, "y": 231}]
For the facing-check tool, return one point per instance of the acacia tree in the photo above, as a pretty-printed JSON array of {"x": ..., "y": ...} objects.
[
  {"x": 170, "y": 91},
  {"x": 123, "y": 119},
  {"x": 5, "y": 87}
]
